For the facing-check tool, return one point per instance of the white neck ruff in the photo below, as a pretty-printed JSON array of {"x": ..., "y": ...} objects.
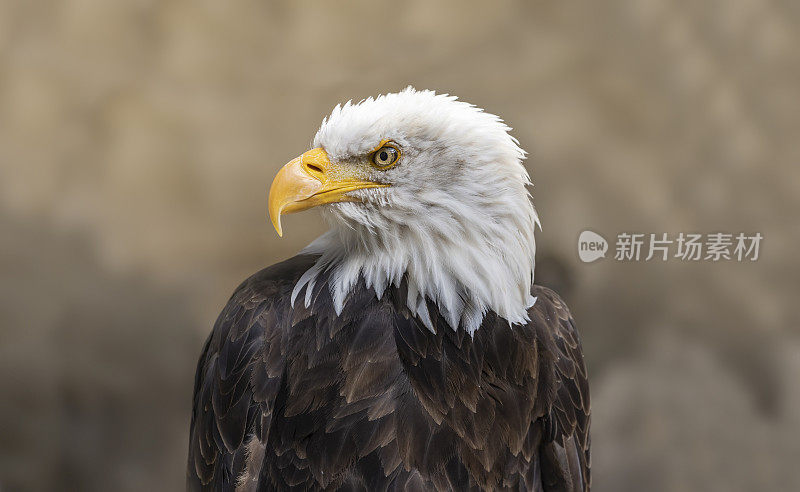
[{"x": 464, "y": 274}]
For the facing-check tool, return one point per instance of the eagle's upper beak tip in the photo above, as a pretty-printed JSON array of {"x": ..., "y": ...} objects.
[{"x": 276, "y": 223}]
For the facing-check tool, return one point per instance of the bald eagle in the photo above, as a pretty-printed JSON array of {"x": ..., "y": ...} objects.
[{"x": 407, "y": 348}]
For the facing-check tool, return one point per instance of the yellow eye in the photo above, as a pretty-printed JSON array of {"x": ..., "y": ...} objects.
[{"x": 385, "y": 156}]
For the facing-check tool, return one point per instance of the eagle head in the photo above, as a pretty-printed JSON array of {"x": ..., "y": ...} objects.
[{"x": 423, "y": 187}]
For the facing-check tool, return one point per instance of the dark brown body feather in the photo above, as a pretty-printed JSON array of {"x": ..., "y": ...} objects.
[{"x": 300, "y": 398}]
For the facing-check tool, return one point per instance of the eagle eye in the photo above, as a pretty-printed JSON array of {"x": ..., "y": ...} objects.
[{"x": 386, "y": 156}]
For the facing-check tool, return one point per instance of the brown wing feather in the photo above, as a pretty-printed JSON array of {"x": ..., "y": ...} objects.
[
  {"x": 238, "y": 377},
  {"x": 509, "y": 406},
  {"x": 372, "y": 399},
  {"x": 564, "y": 451}
]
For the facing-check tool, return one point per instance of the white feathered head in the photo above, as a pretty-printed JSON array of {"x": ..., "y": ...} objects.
[{"x": 422, "y": 186}]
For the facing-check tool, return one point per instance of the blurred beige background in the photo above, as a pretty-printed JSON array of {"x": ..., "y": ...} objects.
[{"x": 138, "y": 139}]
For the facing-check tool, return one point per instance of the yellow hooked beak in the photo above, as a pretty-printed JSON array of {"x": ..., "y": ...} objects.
[{"x": 306, "y": 182}]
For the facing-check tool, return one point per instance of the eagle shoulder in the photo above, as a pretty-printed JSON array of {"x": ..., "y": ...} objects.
[
  {"x": 508, "y": 405},
  {"x": 239, "y": 374},
  {"x": 564, "y": 451}
]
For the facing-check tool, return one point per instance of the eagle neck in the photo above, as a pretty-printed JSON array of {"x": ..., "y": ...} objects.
[{"x": 465, "y": 277}]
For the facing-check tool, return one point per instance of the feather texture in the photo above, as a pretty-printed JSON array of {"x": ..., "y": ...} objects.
[
  {"x": 456, "y": 222},
  {"x": 371, "y": 399}
]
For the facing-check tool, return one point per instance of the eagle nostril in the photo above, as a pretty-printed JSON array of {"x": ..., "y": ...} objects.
[{"x": 314, "y": 168}]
